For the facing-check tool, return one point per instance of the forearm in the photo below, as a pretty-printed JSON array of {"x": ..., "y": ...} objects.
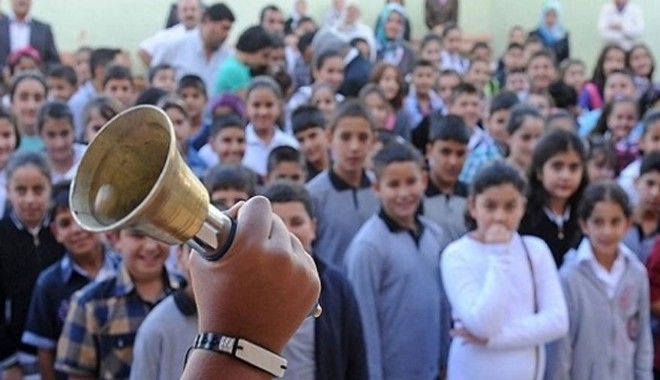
[
  {"x": 47, "y": 364},
  {"x": 479, "y": 308},
  {"x": 204, "y": 365}
]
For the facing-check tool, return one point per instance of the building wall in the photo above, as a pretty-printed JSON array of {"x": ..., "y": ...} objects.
[{"x": 125, "y": 23}]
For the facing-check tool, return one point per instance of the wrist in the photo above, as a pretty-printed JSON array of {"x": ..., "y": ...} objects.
[
  {"x": 204, "y": 364},
  {"x": 242, "y": 350}
]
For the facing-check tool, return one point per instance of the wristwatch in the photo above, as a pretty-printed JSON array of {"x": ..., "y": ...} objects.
[{"x": 243, "y": 350}]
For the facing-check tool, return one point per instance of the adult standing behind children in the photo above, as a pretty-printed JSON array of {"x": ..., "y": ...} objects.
[
  {"x": 250, "y": 59},
  {"x": 621, "y": 23},
  {"x": 189, "y": 14},
  {"x": 552, "y": 32},
  {"x": 201, "y": 52},
  {"x": 19, "y": 30}
]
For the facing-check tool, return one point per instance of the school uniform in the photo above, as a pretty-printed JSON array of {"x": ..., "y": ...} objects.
[
  {"x": 340, "y": 212},
  {"x": 609, "y": 329},
  {"x": 627, "y": 179},
  {"x": 164, "y": 338},
  {"x": 447, "y": 210},
  {"x": 405, "y": 315},
  {"x": 23, "y": 255},
  {"x": 50, "y": 299},
  {"x": 639, "y": 243},
  {"x": 257, "y": 151},
  {"x": 332, "y": 347},
  {"x": 560, "y": 233}
]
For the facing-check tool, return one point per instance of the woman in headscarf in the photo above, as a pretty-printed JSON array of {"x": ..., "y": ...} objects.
[
  {"x": 551, "y": 30},
  {"x": 406, "y": 29},
  {"x": 392, "y": 47}
]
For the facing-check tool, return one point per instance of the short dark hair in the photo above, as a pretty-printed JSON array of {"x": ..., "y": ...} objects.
[
  {"x": 464, "y": 88},
  {"x": 268, "y": 8},
  {"x": 351, "y": 108},
  {"x": 480, "y": 45},
  {"x": 518, "y": 115},
  {"x": 396, "y": 152},
  {"x": 650, "y": 163},
  {"x": 305, "y": 41},
  {"x": 22, "y": 159},
  {"x": 225, "y": 177},
  {"x": 515, "y": 45},
  {"x": 282, "y": 154},
  {"x": 192, "y": 81},
  {"x": 158, "y": 68},
  {"x": 229, "y": 121},
  {"x": 423, "y": 63},
  {"x": 151, "y": 95},
  {"x": 606, "y": 191},
  {"x": 218, "y": 12},
  {"x": 287, "y": 191},
  {"x": 495, "y": 173},
  {"x": 54, "y": 110},
  {"x": 59, "y": 198},
  {"x": 649, "y": 120},
  {"x": 505, "y": 100},
  {"x": 319, "y": 60},
  {"x": 254, "y": 39},
  {"x": 306, "y": 117},
  {"x": 101, "y": 57},
  {"x": 117, "y": 72},
  {"x": 448, "y": 128},
  {"x": 546, "y": 53},
  {"x": 65, "y": 72},
  {"x": 563, "y": 95}
]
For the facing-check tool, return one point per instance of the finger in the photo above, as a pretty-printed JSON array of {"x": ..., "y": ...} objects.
[
  {"x": 233, "y": 211},
  {"x": 255, "y": 218},
  {"x": 279, "y": 239}
]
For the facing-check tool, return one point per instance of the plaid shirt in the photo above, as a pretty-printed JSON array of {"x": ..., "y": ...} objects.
[
  {"x": 99, "y": 331},
  {"x": 482, "y": 149}
]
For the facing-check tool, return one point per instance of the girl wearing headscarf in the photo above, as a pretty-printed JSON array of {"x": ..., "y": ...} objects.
[
  {"x": 392, "y": 47},
  {"x": 551, "y": 30}
]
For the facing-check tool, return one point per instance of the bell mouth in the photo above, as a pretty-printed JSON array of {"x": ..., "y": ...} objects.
[{"x": 122, "y": 166}]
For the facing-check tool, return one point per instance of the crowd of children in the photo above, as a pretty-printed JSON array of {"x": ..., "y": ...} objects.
[{"x": 470, "y": 216}]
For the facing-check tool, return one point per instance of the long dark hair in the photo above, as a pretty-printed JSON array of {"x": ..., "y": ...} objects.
[
  {"x": 599, "y": 76},
  {"x": 493, "y": 174},
  {"x": 551, "y": 144}
]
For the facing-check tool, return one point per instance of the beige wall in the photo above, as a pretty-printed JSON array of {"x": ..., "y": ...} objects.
[{"x": 125, "y": 23}]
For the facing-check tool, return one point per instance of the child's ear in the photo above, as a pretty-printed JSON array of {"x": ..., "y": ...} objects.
[{"x": 429, "y": 148}]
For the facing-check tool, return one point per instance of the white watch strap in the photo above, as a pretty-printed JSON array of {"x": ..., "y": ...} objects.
[{"x": 243, "y": 350}]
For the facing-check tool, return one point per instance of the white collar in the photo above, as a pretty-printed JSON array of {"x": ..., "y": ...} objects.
[
  {"x": 557, "y": 219},
  {"x": 585, "y": 253}
]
